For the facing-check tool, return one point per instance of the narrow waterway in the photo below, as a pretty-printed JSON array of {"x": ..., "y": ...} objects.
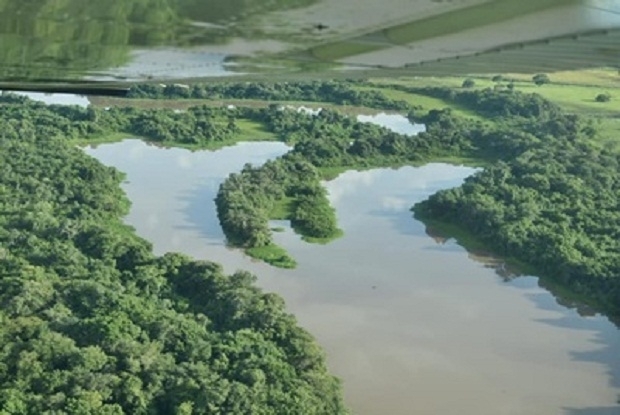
[{"x": 412, "y": 324}]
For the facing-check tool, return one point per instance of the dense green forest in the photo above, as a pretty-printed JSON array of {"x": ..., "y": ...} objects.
[
  {"x": 199, "y": 126},
  {"x": 286, "y": 188},
  {"x": 550, "y": 202},
  {"x": 94, "y": 323},
  {"x": 548, "y": 198},
  {"x": 556, "y": 189}
]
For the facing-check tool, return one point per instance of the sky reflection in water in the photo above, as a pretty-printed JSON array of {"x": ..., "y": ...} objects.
[{"x": 410, "y": 329}]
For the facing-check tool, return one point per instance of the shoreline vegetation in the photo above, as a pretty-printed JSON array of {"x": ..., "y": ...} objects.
[
  {"x": 491, "y": 125},
  {"x": 165, "y": 334},
  {"x": 93, "y": 322}
]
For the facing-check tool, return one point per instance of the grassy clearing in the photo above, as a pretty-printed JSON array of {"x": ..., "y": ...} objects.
[
  {"x": 273, "y": 255},
  {"x": 467, "y": 240},
  {"x": 428, "y": 103},
  {"x": 579, "y": 99},
  {"x": 609, "y": 132},
  {"x": 282, "y": 209},
  {"x": 254, "y": 131}
]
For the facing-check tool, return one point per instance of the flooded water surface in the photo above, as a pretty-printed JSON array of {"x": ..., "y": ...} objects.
[{"x": 411, "y": 324}]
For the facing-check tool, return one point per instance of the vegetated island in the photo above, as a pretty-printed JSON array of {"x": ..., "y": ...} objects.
[
  {"x": 547, "y": 197},
  {"x": 92, "y": 322}
]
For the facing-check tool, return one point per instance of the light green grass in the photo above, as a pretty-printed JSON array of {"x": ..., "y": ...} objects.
[
  {"x": 253, "y": 131},
  {"x": 602, "y": 77},
  {"x": 427, "y": 103},
  {"x": 573, "y": 91},
  {"x": 273, "y": 255},
  {"x": 578, "y": 98},
  {"x": 282, "y": 209}
]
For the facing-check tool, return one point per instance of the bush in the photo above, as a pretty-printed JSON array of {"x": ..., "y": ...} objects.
[
  {"x": 541, "y": 78},
  {"x": 603, "y": 97},
  {"x": 468, "y": 83}
]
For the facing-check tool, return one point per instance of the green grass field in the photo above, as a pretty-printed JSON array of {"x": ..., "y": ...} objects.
[
  {"x": 574, "y": 91},
  {"x": 254, "y": 131}
]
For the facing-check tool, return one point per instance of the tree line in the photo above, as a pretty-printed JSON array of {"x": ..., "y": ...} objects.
[
  {"x": 549, "y": 200},
  {"x": 337, "y": 92},
  {"x": 200, "y": 126}
]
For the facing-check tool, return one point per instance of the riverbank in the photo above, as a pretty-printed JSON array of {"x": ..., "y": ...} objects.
[
  {"x": 512, "y": 267},
  {"x": 388, "y": 304},
  {"x": 470, "y": 131}
]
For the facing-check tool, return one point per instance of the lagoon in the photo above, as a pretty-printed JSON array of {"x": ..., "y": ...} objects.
[{"x": 410, "y": 323}]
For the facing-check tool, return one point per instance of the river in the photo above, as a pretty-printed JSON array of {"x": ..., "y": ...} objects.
[{"x": 411, "y": 324}]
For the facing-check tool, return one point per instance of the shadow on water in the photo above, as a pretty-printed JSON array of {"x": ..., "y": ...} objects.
[
  {"x": 200, "y": 213},
  {"x": 406, "y": 224},
  {"x": 604, "y": 336},
  {"x": 574, "y": 315}
]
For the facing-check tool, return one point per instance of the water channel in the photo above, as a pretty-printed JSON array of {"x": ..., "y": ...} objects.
[{"x": 411, "y": 324}]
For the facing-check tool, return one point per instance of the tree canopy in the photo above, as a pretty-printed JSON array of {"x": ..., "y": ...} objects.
[{"x": 92, "y": 322}]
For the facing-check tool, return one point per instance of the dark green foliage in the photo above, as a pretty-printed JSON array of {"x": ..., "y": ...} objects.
[
  {"x": 198, "y": 126},
  {"x": 552, "y": 202},
  {"x": 341, "y": 93},
  {"x": 91, "y": 322},
  {"x": 246, "y": 200},
  {"x": 497, "y": 78},
  {"x": 468, "y": 83},
  {"x": 541, "y": 79},
  {"x": 605, "y": 97}
]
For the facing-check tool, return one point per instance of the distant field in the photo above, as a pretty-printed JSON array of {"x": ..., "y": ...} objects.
[
  {"x": 575, "y": 91},
  {"x": 603, "y": 77},
  {"x": 254, "y": 131},
  {"x": 427, "y": 103}
]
